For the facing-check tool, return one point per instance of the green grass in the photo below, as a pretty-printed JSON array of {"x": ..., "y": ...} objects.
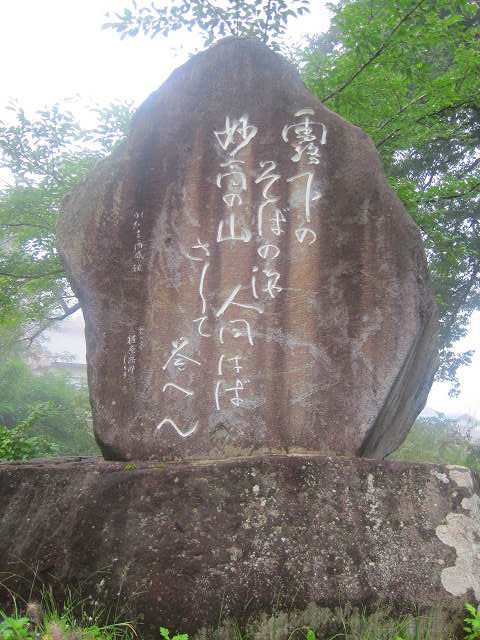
[
  {"x": 348, "y": 623},
  {"x": 72, "y": 621}
]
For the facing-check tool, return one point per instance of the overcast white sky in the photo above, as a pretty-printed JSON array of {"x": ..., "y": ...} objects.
[
  {"x": 55, "y": 49},
  {"x": 52, "y": 49}
]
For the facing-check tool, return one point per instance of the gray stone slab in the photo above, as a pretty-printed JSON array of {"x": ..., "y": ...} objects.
[{"x": 186, "y": 544}]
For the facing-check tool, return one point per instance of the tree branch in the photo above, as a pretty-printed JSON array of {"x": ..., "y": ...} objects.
[
  {"x": 425, "y": 117},
  {"x": 466, "y": 290},
  {"x": 456, "y": 105},
  {"x": 454, "y": 195},
  {"x": 430, "y": 179},
  {"x": 26, "y": 224},
  {"x": 377, "y": 53},
  {"x": 49, "y": 322},
  {"x": 267, "y": 21},
  {"x": 68, "y": 312},
  {"x": 400, "y": 111},
  {"x": 220, "y": 15},
  {"x": 468, "y": 169},
  {"x": 16, "y": 276}
]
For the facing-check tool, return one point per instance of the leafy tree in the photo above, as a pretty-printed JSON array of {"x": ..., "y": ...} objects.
[
  {"x": 18, "y": 443},
  {"x": 408, "y": 73},
  {"x": 439, "y": 441},
  {"x": 44, "y": 157},
  {"x": 47, "y": 407},
  {"x": 265, "y": 19}
]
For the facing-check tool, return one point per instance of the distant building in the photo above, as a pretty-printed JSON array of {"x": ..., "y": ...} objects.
[
  {"x": 77, "y": 371},
  {"x": 42, "y": 361}
]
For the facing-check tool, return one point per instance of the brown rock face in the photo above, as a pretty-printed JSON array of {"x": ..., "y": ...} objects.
[
  {"x": 249, "y": 283},
  {"x": 190, "y": 544}
]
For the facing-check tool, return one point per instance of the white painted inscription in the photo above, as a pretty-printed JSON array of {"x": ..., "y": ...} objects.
[
  {"x": 229, "y": 315},
  {"x": 139, "y": 245}
]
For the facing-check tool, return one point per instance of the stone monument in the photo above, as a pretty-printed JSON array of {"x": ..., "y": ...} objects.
[
  {"x": 259, "y": 321},
  {"x": 249, "y": 282}
]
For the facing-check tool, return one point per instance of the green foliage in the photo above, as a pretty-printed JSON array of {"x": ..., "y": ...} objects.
[
  {"x": 382, "y": 624},
  {"x": 264, "y": 19},
  {"x": 439, "y": 441},
  {"x": 18, "y": 443},
  {"x": 351, "y": 623},
  {"x": 408, "y": 73},
  {"x": 306, "y": 632},
  {"x": 45, "y": 155},
  {"x": 165, "y": 633},
  {"x": 42, "y": 413},
  {"x": 472, "y": 623},
  {"x": 72, "y": 619},
  {"x": 62, "y": 630},
  {"x": 12, "y": 628}
]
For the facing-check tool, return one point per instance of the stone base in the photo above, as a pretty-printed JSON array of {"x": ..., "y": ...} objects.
[{"x": 187, "y": 544}]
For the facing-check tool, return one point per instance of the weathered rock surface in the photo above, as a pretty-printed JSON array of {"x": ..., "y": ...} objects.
[
  {"x": 186, "y": 544},
  {"x": 249, "y": 282}
]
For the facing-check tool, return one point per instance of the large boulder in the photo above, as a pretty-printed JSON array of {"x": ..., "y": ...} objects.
[
  {"x": 248, "y": 280},
  {"x": 188, "y": 545}
]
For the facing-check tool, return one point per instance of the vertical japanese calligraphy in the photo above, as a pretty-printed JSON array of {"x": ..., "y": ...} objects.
[
  {"x": 135, "y": 343},
  {"x": 138, "y": 247},
  {"x": 227, "y": 318},
  {"x": 235, "y": 226},
  {"x": 302, "y": 137}
]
